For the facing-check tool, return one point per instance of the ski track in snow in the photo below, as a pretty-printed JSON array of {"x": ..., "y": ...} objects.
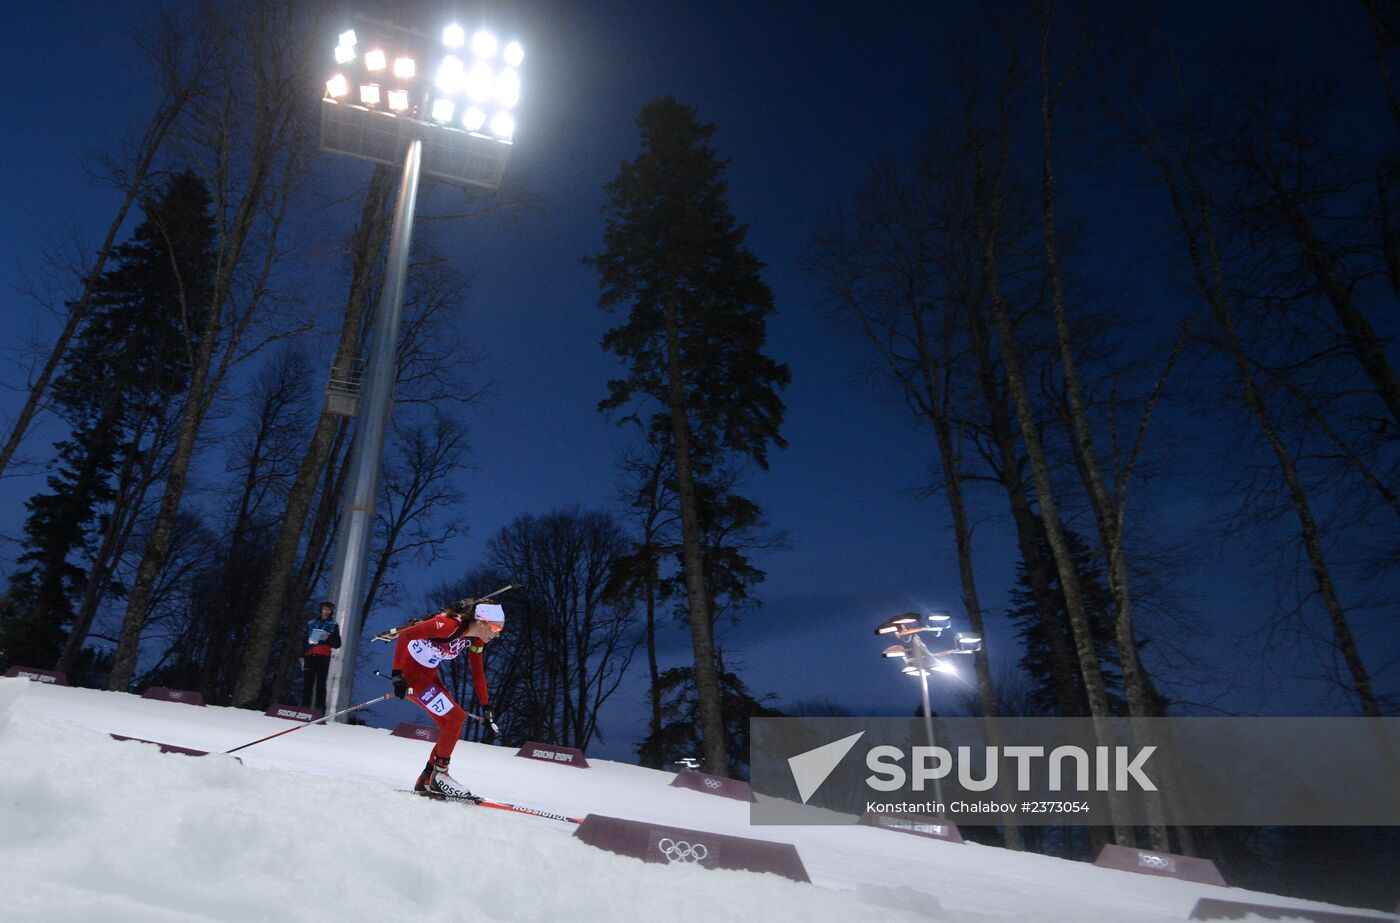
[{"x": 311, "y": 827}]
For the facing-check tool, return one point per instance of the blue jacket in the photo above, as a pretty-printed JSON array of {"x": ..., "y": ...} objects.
[{"x": 322, "y": 636}]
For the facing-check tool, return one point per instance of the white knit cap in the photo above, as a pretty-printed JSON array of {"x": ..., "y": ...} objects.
[{"x": 491, "y": 612}]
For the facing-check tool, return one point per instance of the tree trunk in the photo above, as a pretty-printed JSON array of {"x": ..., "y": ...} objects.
[
  {"x": 1108, "y": 514},
  {"x": 368, "y": 242},
  {"x": 652, "y": 669},
  {"x": 987, "y": 219},
  {"x": 1206, "y": 263},
  {"x": 1361, "y": 337},
  {"x": 701, "y": 629},
  {"x": 1028, "y": 527}
]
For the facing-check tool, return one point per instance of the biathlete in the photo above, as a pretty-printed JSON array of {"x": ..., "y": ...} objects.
[{"x": 418, "y": 650}]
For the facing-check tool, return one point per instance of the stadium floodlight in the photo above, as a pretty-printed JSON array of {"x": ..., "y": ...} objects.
[
  {"x": 483, "y": 44},
  {"x": 443, "y": 109},
  {"x": 897, "y": 624},
  {"x": 968, "y": 644},
  {"x": 503, "y": 126},
  {"x": 917, "y": 660},
  {"x": 508, "y": 89},
  {"x": 450, "y": 77},
  {"x": 481, "y": 83},
  {"x": 400, "y": 97}
]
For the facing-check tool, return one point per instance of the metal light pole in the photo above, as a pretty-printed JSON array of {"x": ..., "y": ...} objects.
[
  {"x": 357, "y": 515},
  {"x": 919, "y": 661},
  {"x": 925, "y": 665},
  {"x": 399, "y": 117}
]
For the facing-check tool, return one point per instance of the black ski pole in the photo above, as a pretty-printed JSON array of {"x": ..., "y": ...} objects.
[{"x": 344, "y": 711}]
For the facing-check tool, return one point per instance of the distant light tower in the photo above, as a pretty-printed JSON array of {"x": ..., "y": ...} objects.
[
  {"x": 401, "y": 97},
  {"x": 920, "y": 661}
]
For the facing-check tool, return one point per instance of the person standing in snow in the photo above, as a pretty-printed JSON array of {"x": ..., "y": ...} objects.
[
  {"x": 418, "y": 650},
  {"x": 322, "y": 637}
]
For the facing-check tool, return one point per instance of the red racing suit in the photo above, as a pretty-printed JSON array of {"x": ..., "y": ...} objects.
[{"x": 417, "y": 653}]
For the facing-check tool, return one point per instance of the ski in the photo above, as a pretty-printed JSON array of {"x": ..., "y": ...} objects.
[
  {"x": 477, "y": 802},
  {"x": 390, "y": 634},
  {"x": 521, "y": 809}
]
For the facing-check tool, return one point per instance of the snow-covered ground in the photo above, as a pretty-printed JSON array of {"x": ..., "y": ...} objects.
[{"x": 309, "y": 827}]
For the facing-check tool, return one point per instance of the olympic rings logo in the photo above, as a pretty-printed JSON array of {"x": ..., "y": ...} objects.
[
  {"x": 681, "y": 851},
  {"x": 1148, "y": 860},
  {"x": 712, "y": 783}
]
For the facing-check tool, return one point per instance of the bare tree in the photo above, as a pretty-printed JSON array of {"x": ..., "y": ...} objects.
[
  {"x": 263, "y": 47},
  {"x": 650, "y": 504},
  {"x": 417, "y": 487},
  {"x": 576, "y": 640},
  {"x": 1195, "y": 206},
  {"x": 366, "y": 244},
  {"x": 179, "y": 56}
]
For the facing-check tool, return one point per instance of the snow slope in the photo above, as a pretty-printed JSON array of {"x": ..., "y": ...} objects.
[{"x": 309, "y": 827}]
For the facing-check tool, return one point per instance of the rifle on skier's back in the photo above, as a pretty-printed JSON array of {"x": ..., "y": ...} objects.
[{"x": 461, "y": 606}]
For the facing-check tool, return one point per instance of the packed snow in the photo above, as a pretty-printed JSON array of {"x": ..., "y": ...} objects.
[{"x": 312, "y": 826}]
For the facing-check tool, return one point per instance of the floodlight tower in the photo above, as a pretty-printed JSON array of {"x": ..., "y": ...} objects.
[
  {"x": 920, "y": 661},
  {"x": 435, "y": 105}
]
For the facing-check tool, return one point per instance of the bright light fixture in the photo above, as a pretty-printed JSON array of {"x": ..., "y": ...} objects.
[
  {"x": 911, "y": 671},
  {"x": 450, "y": 76},
  {"x": 398, "y": 100},
  {"x": 473, "y": 119},
  {"x": 503, "y": 126},
  {"x": 443, "y": 109},
  {"x": 337, "y": 86},
  {"x": 943, "y": 666},
  {"x": 369, "y": 94},
  {"x": 404, "y": 68},
  {"x": 375, "y": 60},
  {"x": 344, "y": 54},
  {"x": 514, "y": 54},
  {"x": 453, "y": 36},
  {"x": 508, "y": 88},
  {"x": 896, "y": 650},
  {"x": 480, "y": 82},
  {"x": 937, "y": 617},
  {"x": 483, "y": 44},
  {"x": 347, "y": 39}
]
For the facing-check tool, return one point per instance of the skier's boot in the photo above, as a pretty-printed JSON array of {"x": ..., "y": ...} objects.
[
  {"x": 424, "y": 777},
  {"x": 438, "y": 784}
]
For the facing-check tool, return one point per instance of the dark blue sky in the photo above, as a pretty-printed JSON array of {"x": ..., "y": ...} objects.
[{"x": 804, "y": 97}]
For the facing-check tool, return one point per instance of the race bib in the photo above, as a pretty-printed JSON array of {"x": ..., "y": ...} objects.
[
  {"x": 425, "y": 652},
  {"x": 435, "y": 700}
]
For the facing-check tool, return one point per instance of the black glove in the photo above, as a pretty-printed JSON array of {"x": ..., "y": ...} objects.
[
  {"x": 491, "y": 719},
  {"x": 400, "y": 684}
]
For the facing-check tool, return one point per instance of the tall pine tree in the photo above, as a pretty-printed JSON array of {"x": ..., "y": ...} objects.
[
  {"x": 1032, "y": 629},
  {"x": 693, "y": 339},
  {"x": 127, "y": 365}
]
